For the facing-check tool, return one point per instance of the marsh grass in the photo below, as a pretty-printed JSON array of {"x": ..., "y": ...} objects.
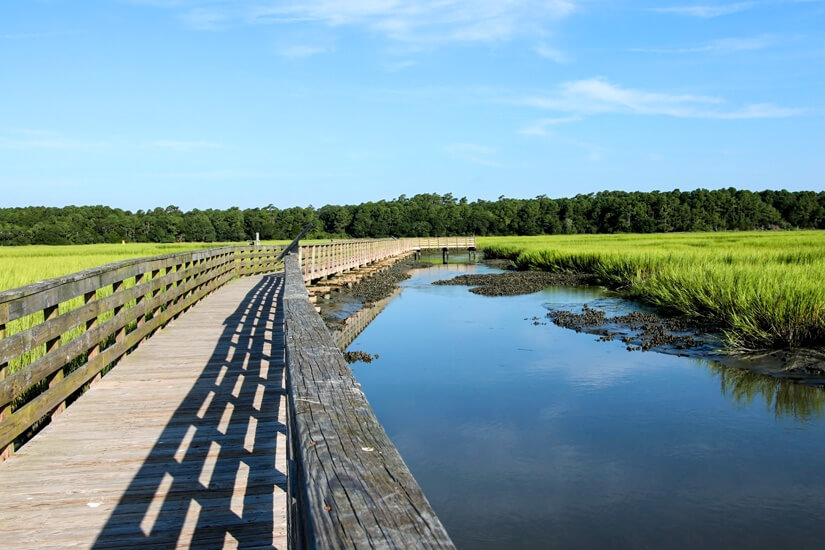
[
  {"x": 764, "y": 289},
  {"x": 21, "y": 265}
]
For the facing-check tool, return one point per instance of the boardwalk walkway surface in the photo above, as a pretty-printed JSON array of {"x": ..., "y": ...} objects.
[{"x": 182, "y": 444}]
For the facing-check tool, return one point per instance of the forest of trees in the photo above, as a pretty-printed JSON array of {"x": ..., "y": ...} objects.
[{"x": 426, "y": 215}]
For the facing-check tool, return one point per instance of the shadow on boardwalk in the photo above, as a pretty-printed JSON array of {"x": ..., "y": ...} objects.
[{"x": 211, "y": 478}]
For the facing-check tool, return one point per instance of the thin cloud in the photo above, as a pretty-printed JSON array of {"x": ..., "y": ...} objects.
[
  {"x": 206, "y": 18},
  {"x": 540, "y": 127},
  {"x": 410, "y": 21},
  {"x": 598, "y": 96},
  {"x": 401, "y": 65},
  {"x": 473, "y": 153},
  {"x": 721, "y": 46},
  {"x": 551, "y": 54},
  {"x": 183, "y": 145},
  {"x": 300, "y": 51},
  {"x": 707, "y": 12}
]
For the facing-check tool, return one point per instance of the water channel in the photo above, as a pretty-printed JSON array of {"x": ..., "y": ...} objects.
[{"x": 528, "y": 435}]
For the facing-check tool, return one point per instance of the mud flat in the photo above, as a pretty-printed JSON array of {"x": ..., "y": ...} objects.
[
  {"x": 516, "y": 282},
  {"x": 645, "y": 329},
  {"x": 348, "y": 309}
]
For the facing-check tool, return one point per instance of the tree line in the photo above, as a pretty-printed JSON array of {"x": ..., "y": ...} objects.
[{"x": 425, "y": 215}]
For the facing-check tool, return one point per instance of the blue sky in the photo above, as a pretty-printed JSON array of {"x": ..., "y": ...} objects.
[{"x": 215, "y": 103}]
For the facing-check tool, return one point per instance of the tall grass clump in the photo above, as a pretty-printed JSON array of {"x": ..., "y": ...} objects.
[{"x": 763, "y": 289}]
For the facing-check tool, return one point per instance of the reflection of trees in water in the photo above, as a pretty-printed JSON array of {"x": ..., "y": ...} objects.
[{"x": 785, "y": 397}]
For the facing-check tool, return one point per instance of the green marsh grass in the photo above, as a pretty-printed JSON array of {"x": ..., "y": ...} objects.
[
  {"x": 21, "y": 265},
  {"x": 764, "y": 289}
]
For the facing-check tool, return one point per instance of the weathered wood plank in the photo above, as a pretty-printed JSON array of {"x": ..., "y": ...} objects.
[
  {"x": 182, "y": 445},
  {"x": 351, "y": 485}
]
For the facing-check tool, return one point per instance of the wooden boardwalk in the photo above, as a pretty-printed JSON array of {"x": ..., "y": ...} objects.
[{"x": 182, "y": 444}]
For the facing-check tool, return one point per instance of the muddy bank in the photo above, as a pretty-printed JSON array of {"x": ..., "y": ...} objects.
[
  {"x": 380, "y": 285},
  {"x": 638, "y": 330},
  {"x": 642, "y": 328},
  {"x": 651, "y": 331},
  {"x": 345, "y": 302},
  {"x": 516, "y": 282}
]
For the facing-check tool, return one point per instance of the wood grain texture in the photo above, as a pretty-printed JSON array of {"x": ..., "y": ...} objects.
[
  {"x": 352, "y": 488},
  {"x": 182, "y": 445}
]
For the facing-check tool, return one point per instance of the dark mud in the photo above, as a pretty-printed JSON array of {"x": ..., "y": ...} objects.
[
  {"x": 345, "y": 302},
  {"x": 650, "y": 331},
  {"x": 638, "y": 330},
  {"x": 517, "y": 282},
  {"x": 355, "y": 356},
  {"x": 378, "y": 286}
]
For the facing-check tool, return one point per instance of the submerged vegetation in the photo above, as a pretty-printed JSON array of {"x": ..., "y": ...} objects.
[{"x": 763, "y": 289}]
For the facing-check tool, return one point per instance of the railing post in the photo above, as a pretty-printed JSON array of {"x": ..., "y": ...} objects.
[
  {"x": 121, "y": 332},
  {"x": 88, "y": 298},
  {"x": 50, "y": 313},
  {"x": 312, "y": 263},
  {"x": 5, "y": 410}
]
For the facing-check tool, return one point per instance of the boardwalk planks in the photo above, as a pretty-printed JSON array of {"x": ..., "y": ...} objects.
[{"x": 183, "y": 444}]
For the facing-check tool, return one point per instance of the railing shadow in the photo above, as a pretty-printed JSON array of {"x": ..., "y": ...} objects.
[{"x": 211, "y": 478}]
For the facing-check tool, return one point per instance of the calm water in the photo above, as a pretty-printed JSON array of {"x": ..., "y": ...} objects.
[{"x": 539, "y": 437}]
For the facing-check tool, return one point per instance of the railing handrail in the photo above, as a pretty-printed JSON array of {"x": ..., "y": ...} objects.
[{"x": 46, "y": 284}]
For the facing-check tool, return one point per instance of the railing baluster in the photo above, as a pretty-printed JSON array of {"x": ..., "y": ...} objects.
[
  {"x": 88, "y": 298},
  {"x": 5, "y": 410},
  {"x": 51, "y": 345}
]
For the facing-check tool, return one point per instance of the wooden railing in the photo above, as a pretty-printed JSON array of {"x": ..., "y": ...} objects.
[
  {"x": 348, "y": 485},
  {"x": 60, "y": 335},
  {"x": 322, "y": 260}
]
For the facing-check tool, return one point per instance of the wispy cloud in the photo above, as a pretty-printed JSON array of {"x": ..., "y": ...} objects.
[
  {"x": 473, "y": 153},
  {"x": 179, "y": 145},
  {"x": 540, "y": 127},
  {"x": 598, "y": 96},
  {"x": 721, "y": 46},
  {"x": 401, "y": 65},
  {"x": 411, "y": 21},
  {"x": 206, "y": 18},
  {"x": 707, "y": 11},
  {"x": 299, "y": 51},
  {"x": 552, "y": 53}
]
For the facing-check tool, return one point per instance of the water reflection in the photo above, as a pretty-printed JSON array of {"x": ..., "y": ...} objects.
[
  {"x": 355, "y": 324},
  {"x": 534, "y": 436},
  {"x": 784, "y": 397}
]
